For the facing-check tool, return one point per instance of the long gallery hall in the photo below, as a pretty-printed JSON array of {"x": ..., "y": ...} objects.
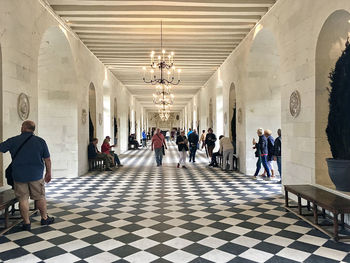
[
  {"x": 143, "y": 213},
  {"x": 184, "y": 131}
]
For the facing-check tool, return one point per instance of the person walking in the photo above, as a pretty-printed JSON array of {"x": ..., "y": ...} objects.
[
  {"x": 202, "y": 139},
  {"x": 182, "y": 145},
  {"x": 167, "y": 136},
  {"x": 270, "y": 149},
  {"x": 189, "y": 132},
  {"x": 226, "y": 148},
  {"x": 144, "y": 139},
  {"x": 277, "y": 152},
  {"x": 261, "y": 148},
  {"x": 158, "y": 143},
  {"x": 193, "y": 142},
  {"x": 210, "y": 140},
  {"x": 30, "y": 155}
]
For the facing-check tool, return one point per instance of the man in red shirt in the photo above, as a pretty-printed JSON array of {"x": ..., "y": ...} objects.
[{"x": 157, "y": 144}]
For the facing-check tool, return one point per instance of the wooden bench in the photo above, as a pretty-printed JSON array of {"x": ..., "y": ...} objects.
[
  {"x": 319, "y": 198},
  {"x": 7, "y": 200},
  {"x": 96, "y": 164}
]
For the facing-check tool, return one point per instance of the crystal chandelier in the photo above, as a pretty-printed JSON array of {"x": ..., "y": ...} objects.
[
  {"x": 158, "y": 67},
  {"x": 163, "y": 96},
  {"x": 164, "y": 113}
]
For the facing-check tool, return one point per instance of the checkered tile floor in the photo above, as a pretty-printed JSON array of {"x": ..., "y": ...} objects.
[{"x": 143, "y": 213}]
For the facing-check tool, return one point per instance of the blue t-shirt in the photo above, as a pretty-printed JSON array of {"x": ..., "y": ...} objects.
[
  {"x": 144, "y": 136},
  {"x": 29, "y": 164}
]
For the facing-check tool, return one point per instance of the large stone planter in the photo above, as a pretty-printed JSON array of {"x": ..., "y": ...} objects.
[{"x": 339, "y": 172}]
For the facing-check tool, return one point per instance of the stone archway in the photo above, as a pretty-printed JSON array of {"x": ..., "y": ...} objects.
[
  {"x": 57, "y": 101},
  {"x": 92, "y": 112},
  {"x": 116, "y": 123},
  {"x": 262, "y": 92},
  {"x": 330, "y": 44}
]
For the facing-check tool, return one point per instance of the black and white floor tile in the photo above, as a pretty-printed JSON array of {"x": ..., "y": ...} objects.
[{"x": 143, "y": 213}]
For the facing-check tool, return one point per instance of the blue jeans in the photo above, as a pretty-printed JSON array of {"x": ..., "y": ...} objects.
[
  {"x": 159, "y": 155},
  {"x": 116, "y": 159},
  {"x": 279, "y": 165},
  {"x": 262, "y": 160},
  {"x": 193, "y": 150}
]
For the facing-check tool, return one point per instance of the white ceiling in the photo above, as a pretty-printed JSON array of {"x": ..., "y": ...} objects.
[{"x": 202, "y": 33}]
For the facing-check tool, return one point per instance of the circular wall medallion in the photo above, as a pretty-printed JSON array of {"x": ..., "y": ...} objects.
[
  {"x": 225, "y": 118},
  {"x": 100, "y": 119},
  {"x": 295, "y": 104},
  {"x": 23, "y": 106},
  {"x": 83, "y": 116},
  {"x": 239, "y": 115}
]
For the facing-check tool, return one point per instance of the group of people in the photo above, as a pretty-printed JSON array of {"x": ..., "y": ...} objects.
[
  {"x": 267, "y": 150},
  {"x": 109, "y": 157}
]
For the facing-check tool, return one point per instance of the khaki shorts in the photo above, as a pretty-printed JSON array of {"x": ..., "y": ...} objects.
[{"x": 35, "y": 190}]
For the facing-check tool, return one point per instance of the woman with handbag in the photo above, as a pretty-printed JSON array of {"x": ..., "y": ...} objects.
[{"x": 182, "y": 145}]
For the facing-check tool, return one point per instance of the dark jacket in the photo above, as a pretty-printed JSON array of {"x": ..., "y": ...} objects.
[
  {"x": 181, "y": 146},
  {"x": 277, "y": 149},
  {"x": 210, "y": 139},
  {"x": 92, "y": 153},
  {"x": 270, "y": 147},
  {"x": 193, "y": 139},
  {"x": 262, "y": 145}
]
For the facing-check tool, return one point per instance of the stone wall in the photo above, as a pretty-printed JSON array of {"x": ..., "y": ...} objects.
[
  {"x": 264, "y": 81},
  {"x": 56, "y": 78}
]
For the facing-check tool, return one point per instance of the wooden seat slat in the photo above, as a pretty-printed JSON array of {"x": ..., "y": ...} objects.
[
  {"x": 323, "y": 198},
  {"x": 7, "y": 198}
]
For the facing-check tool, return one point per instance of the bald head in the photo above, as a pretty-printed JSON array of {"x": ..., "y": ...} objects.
[{"x": 28, "y": 126}]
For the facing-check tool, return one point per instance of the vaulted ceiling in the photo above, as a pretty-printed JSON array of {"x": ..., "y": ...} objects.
[{"x": 202, "y": 33}]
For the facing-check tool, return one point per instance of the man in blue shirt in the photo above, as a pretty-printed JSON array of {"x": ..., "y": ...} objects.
[
  {"x": 144, "y": 139},
  {"x": 27, "y": 171},
  {"x": 189, "y": 132}
]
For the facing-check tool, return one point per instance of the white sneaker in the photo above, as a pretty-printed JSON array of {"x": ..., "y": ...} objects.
[
  {"x": 255, "y": 178},
  {"x": 267, "y": 179}
]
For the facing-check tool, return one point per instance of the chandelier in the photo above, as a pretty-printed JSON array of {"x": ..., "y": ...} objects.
[
  {"x": 164, "y": 113},
  {"x": 163, "y": 96},
  {"x": 158, "y": 67}
]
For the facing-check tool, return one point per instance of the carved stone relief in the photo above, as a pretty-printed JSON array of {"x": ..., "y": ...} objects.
[
  {"x": 295, "y": 104},
  {"x": 23, "y": 106},
  {"x": 83, "y": 116}
]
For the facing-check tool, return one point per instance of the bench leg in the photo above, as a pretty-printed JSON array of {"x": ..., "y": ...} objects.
[
  {"x": 335, "y": 221},
  {"x": 299, "y": 205},
  {"x": 342, "y": 221},
  {"x": 6, "y": 217},
  {"x": 308, "y": 205},
  {"x": 315, "y": 213},
  {"x": 286, "y": 199}
]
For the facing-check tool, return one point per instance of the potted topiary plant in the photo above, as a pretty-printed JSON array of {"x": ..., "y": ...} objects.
[{"x": 338, "y": 128}]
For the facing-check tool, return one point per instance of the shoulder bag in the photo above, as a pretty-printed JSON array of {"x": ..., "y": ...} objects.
[{"x": 8, "y": 171}]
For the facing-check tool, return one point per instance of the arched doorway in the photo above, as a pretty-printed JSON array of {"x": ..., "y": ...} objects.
[
  {"x": 262, "y": 92},
  {"x": 57, "y": 102},
  {"x": 232, "y": 115},
  {"x": 92, "y": 112},
  {"x": 330, "y": 44},
  {"x": 115, "y": 123}
]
